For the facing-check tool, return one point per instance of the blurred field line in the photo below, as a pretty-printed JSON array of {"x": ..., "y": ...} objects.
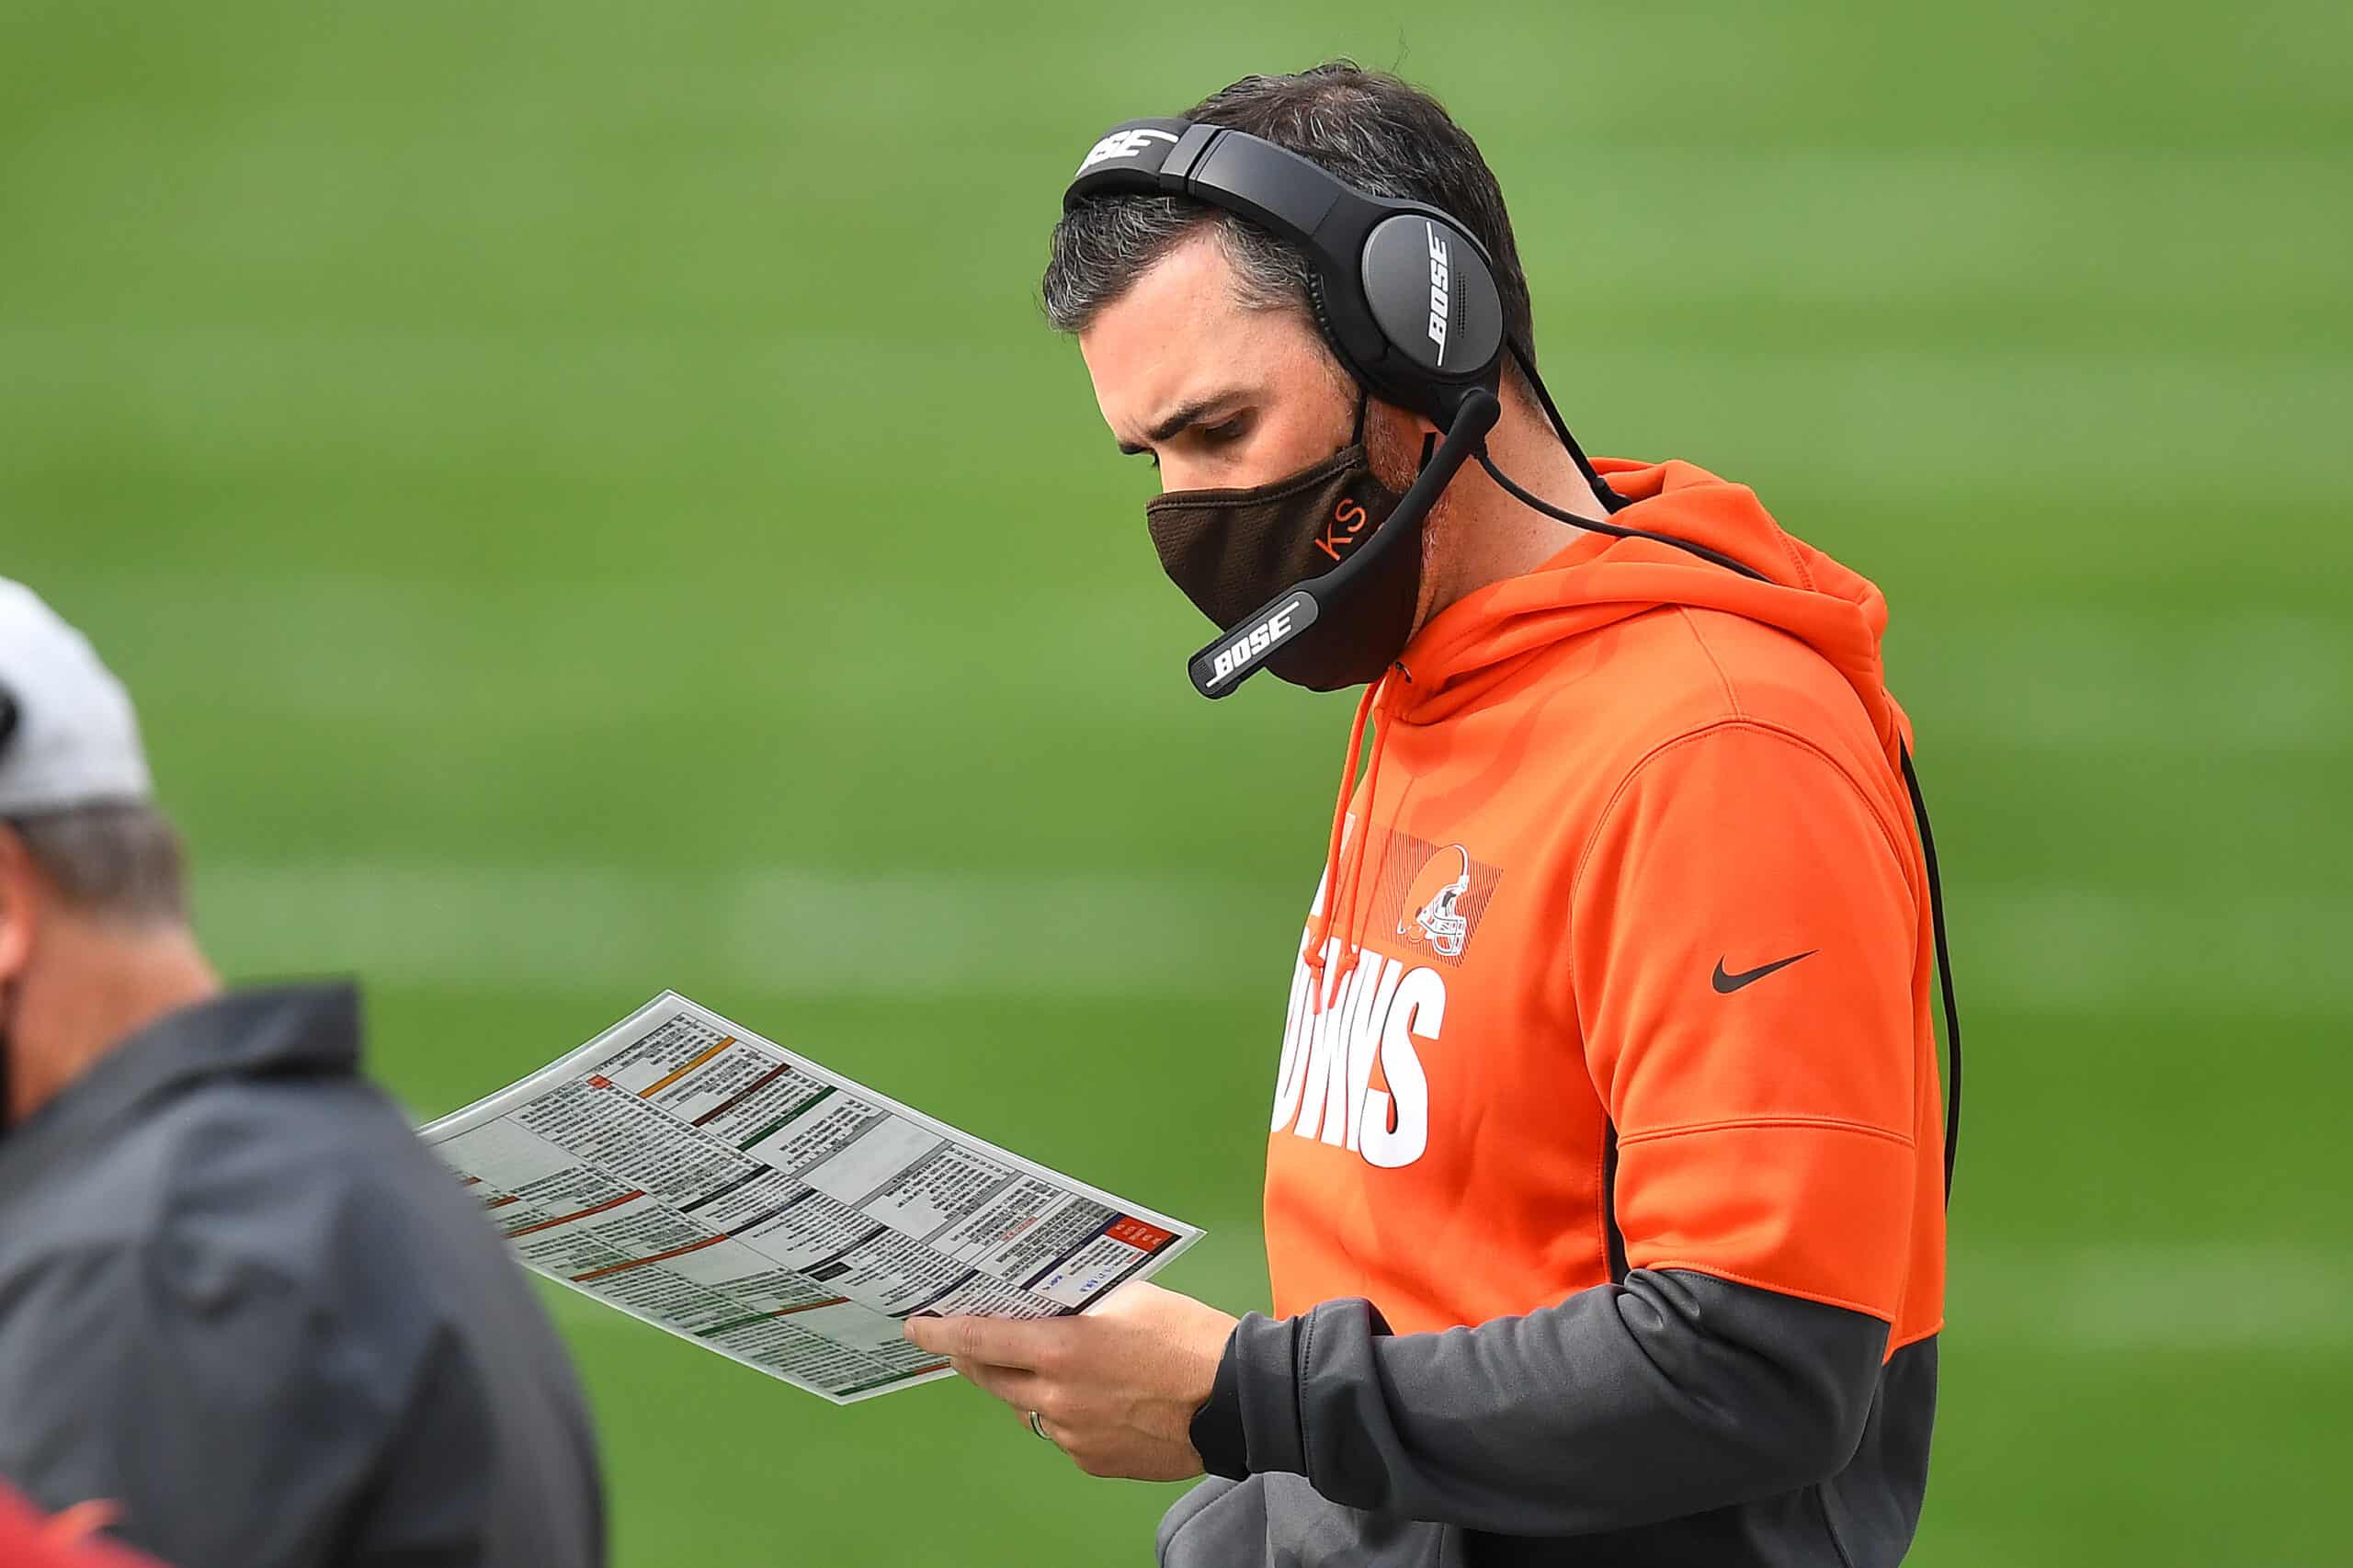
[
  {"x": 2160, "y": 1295},
  {"x": 782, "y": 929},
  {"x": 1903, "y": 429},
  {"x": 2055, "y": 950},
  {"x": 370, "y": 652},
  {"x": 2141, "y": 1298},
  {"x": 2081, "y": 681}
]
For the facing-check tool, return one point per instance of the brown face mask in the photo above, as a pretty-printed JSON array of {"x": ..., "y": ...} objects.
[{"x": 1230, "y": 550}]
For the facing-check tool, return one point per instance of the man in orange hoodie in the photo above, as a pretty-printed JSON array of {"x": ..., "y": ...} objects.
[{"x": 1605, "y": 1194}]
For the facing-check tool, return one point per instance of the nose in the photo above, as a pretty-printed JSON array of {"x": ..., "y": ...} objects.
[{"x": 1183, "y": 473}]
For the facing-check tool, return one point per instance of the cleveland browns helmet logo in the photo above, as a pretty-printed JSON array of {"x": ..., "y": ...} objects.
[{"x": 1437, "y": 895}]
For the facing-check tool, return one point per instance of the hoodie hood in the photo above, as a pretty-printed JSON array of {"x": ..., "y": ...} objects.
[
  {"x": 1476, "y": 644},
  {"x": 1473, "y": 644}
]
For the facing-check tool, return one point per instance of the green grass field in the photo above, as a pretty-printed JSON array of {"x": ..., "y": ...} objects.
[{"x": 587, "y": 504}]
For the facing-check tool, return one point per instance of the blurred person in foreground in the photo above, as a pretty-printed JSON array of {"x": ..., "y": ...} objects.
[
  {"x": 29, "y": 1541},
  {"x": 242, "y": 1312},
  {"x": 1604, "y": 1199}
]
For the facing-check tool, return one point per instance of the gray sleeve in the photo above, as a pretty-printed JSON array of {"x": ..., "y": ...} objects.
[
  {"x": 218, "y": 1410},
  {"x": 1670, "y": 1395}
]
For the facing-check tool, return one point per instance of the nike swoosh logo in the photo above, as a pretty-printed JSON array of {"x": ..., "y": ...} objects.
[{"x": 1726, "y": 985}]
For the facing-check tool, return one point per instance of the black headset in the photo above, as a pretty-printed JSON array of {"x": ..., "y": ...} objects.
[
  {"x": 1406, "y": 298},
  {"x": 1403, "y": 294}
]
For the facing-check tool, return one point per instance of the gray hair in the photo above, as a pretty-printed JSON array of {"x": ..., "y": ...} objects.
[
  {"x": 121, "y": 862},
  {"x": 1100, "y": 251}
]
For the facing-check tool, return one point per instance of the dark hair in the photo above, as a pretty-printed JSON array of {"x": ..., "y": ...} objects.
[
  {"x": 1367, "y": 127},
  {"x": 118, "y": 861}
]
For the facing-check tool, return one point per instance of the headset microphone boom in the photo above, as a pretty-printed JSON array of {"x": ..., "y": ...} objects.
[{"x": 1256, "y": 637}]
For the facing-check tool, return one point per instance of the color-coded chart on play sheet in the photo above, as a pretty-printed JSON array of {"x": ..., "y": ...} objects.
[{"x": 705, "y": 1179}]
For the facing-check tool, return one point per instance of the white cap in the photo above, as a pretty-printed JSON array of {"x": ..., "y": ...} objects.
[{"x": 77, "y": 740}]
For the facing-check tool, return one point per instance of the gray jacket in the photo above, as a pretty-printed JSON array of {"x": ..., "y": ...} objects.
[
  {"x": 239, "y": 1300},
  {"x": 1669, "y": 1420}
]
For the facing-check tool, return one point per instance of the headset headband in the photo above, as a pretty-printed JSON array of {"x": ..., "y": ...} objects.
[{"x": 1403, "y": 292}]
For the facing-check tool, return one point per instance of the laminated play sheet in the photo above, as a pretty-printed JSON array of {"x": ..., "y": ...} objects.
[{"x": 691, "y": 1173}]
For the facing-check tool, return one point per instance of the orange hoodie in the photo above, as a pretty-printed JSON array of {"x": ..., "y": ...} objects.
[{"x": 1624, "y": 954}]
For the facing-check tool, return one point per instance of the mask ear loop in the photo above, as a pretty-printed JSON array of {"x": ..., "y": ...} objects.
[{"x": 1356, "y": 439}]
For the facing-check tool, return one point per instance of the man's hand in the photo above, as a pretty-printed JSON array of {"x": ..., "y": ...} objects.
[{"x": 1115, "y": 1388}]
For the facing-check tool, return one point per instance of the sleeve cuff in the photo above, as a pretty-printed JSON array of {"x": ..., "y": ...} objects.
[
  {"x": 1216, "y": 1430},
  {"x": 1250, "y": 1424}
]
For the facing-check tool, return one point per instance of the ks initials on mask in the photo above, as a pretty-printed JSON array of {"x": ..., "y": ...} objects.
[{"x": 1230, "y": 550}]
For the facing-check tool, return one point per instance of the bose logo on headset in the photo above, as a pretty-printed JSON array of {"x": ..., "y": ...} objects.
[
  {"x": 1256, "y": 642},
  {"x": 1121, "y": 144},
  {"x": 1438, "y": 290}
]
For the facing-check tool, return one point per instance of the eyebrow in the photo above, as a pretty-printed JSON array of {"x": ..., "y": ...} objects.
[{"x": 1190, "y": 414}]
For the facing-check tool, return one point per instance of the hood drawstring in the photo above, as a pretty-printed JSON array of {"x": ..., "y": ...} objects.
[{"x": 1345, "y": 880}]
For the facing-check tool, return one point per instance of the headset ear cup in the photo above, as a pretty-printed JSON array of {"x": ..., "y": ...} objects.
[
  {"x": 1324, "y": 317},
  {"x": 1484, "y": 331},
  {"x": 1319, "y": 305},
  {"x": 1433, "y": 298}
]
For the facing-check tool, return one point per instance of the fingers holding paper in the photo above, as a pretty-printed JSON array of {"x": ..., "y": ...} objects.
[{"x": 1115, "y": 1388}]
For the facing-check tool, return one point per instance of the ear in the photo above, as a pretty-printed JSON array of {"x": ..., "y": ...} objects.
[
  {"x": 22, "y": 900},
  {"x": 1395, "y": 442}
]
